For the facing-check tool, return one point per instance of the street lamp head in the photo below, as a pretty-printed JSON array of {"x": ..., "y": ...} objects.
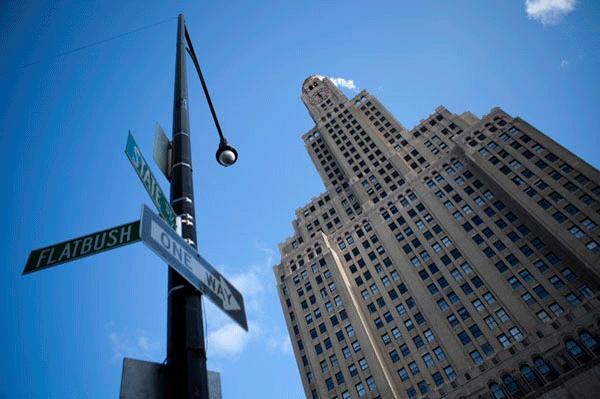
[{"x": 226, "y": 154}]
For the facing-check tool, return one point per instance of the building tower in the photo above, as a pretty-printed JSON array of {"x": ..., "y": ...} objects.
[{"x": 458, "y": 259}]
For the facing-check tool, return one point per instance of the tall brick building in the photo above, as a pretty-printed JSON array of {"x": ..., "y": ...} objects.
[{"x": 456, "y": 259}]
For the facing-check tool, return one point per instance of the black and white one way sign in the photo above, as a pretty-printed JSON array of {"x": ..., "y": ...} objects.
[{"x": 181, "y": 256}]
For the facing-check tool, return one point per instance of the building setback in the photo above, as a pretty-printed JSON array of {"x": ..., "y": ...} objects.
[{"x": 456, "y": 259}]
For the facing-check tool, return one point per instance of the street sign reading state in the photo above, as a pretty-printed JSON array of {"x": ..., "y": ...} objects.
[
  {"x": 142, "y": 168},
  {"x": 80, "y": 247},
  {"x": 181, "y": 256}
]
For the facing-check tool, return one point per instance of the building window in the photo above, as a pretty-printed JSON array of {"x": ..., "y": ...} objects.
[
  {"x": 574, "y": 349},
  {"x": 439, "y": 353},
  {"x": 585, "y": 290},
  {"x": 352, "y": 370},
  {"x": 346, "y": 352},
  {"x": 540, "y": 291},
  {"x": 489, "y": 298},
  {"x": 360, "y": 389},
  {"x": 475, "y": 330},
  {"x": 350, "y": 330},
  {"x": 589, "y": 341},
  {"x": 511, "y": 385},
  {"x": 516, "y": 334},
  {"x": 428, "y": 335},
  {"x": 588, "y": 224},
  {"x": 339, "y": 377},
  {"x": 428, "y": 360},
  {"x": 418, "y": 341},
  {"x": 543, "y": 316},
  {"x": 414, "y": 369},
  {"x": 528, "y": 374},
  {"x": 478, "y": 305},
  {"x": 491, "y": 323},
  {"x": 443, "y": 305},
  {"x": 403, "y": 374},
  {"x": 593, "y": 246},
  {"x": 450, "y": 372},
  {"x": 543, "y": 368},
  {"x": 502, "y": 315},
  {"x": 334, "y": 361},
  {"x": 503, "y": 340},
  {"x": 438, "y": 378},
  {"x": 404, "y": 350},
  {"x": 476, "y": 357},
  {"x": 556, "y": 309},
  {"x": 556, "y": 281},
  {"x": 496, "y": 391},
  {"x": 371, "y": 384},
  {"x": 329, "y": 383},
  {"x": 363, "y": 364},
  {"x": 572, "y": 299},
  {"x": 464, "y": 337},
  {"x": 576, "y": 231}
]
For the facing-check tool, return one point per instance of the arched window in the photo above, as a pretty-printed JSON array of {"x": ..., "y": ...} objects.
[
  {"x": 511, "y": 385},
  {"x": 564, "y": 362},
  {"x": 574, "y": 349},
  {"x": 588, "y": 340},
  {"x": 529, "y": 375},
  {"x": 496, "y": 391},
  {"x": 545, "y": 369}
]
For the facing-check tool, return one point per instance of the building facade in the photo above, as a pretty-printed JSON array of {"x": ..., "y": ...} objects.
[{"x": 458, "y": 259}]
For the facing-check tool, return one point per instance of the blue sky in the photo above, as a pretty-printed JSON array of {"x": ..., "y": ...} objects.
[{"x": 64, "y": 123}]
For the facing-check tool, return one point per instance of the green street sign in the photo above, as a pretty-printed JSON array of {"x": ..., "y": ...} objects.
[
  {"x": 142, "y": 168},
  {"x": 81, "y": 247}
]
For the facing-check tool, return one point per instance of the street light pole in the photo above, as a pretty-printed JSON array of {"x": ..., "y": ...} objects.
[{"x": 186, "y": 355}]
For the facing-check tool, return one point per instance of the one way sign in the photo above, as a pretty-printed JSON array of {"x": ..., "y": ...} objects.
[{"x": 173, "y": 249}]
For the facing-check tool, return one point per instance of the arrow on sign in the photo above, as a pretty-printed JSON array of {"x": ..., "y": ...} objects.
[
  {"x": 182, "y": 257},
  {"x": 221, "y": 289}
]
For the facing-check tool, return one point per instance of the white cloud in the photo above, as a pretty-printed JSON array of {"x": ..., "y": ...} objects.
[
  {"x": 564, "y": 63},
  {"x": 226, "y": 339},
  {"x": 347, "y": 83},
  {"x": 230, "y": 340},
  {"x": 280, "y": 344},
  {"x": 549, "y": 12},
  {"x": 252, "y": 282},
  {"x": 136, "y": 345},
  {"x": 251, "y": 285},
  {"x": 341, "y": 82}
]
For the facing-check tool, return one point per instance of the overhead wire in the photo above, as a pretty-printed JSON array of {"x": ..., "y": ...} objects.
[{"x": 86, "y": 46}]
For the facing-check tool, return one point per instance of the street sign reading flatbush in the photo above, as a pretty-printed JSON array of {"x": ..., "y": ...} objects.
[
  {"x": 143, "y": 170},
  {"x": 182, "y": 257},
  {"x": 80, "y": 247}
]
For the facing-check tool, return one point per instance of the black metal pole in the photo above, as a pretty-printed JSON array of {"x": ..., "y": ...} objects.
[{"x": 186, "y": 356}]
